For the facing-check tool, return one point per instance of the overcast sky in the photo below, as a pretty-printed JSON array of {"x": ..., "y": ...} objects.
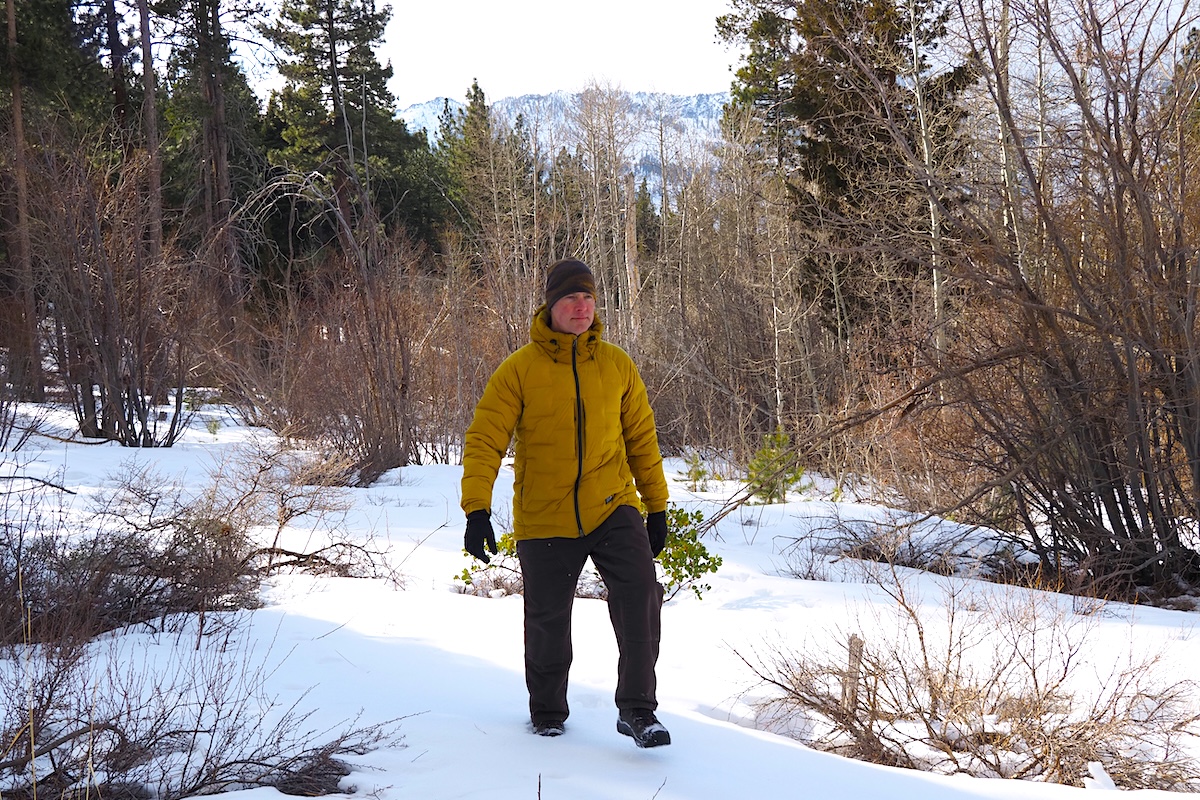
[{"x": 515, "y": 47}]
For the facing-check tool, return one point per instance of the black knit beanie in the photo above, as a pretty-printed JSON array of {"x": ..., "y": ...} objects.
[{"x": 567, "y": 277}]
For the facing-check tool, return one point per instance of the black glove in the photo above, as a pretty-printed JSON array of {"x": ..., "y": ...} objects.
[
  {"x": 479, "y": 531},
  {"x": 656, "y": 527}
]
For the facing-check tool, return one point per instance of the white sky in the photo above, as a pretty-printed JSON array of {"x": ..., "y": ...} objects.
[{"x": 538, "y": 46}]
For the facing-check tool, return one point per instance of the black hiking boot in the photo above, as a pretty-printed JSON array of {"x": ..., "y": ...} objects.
[
  {"x": 549, "y": 727},
  {"x": 643, "y": 727}
]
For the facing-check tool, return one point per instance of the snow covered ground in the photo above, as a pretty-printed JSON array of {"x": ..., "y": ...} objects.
[{"x": 448, "y": 665}]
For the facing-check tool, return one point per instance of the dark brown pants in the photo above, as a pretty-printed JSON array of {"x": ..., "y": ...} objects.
[{"x": 620, "y": 551}]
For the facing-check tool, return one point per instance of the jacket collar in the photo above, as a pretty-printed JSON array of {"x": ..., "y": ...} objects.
[{"x": 558, "y": 345}]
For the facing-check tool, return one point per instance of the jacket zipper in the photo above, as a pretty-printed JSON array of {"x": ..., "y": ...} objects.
[{"x": 578, "y": 435}]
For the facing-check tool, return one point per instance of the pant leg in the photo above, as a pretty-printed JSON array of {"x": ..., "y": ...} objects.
[
  {"x": 550, "y": 569},
  {"x": 623, "y": 558}
]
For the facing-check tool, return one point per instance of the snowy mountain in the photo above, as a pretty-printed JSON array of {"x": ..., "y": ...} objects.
[
  {"x": 698, "y": 114},
  {"x": 683, "y": 127}
]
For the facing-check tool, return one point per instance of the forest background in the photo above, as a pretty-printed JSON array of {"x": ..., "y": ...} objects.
[{"x": 948, "y": 248}]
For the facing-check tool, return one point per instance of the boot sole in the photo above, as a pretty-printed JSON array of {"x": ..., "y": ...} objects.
[{"x": 655, "y": 738}]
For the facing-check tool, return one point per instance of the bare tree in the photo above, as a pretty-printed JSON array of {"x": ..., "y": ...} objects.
[
  {"x": 1091, "y": 425},
  {"x": 121, "y": 325},
  {"x": 604, "y": 128}
]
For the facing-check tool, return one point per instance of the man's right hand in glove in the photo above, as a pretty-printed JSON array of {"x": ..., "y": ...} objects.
[{"x": 479, "y": 532}]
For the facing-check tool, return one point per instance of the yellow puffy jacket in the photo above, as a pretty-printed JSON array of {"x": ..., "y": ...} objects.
[{"x": 584, "y": 433}]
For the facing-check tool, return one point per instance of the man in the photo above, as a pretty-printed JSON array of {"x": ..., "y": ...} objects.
[{"x": 585, "y": 447}]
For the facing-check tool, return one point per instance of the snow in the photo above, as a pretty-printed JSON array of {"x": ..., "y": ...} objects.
[{"x": 448, "y": 665}]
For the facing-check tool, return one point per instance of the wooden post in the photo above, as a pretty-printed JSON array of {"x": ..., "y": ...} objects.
[{"x": 852, "y": 676}]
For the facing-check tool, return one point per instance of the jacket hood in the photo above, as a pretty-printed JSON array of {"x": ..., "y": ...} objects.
[{"x": 558, "y": 345}]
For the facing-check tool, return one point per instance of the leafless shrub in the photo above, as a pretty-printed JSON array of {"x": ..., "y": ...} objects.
[
  {"x": 17, "y": 423},
  {"x": 502, "y": 576},
  {"x": 460, "y": 353},
  {"x": 8, "y": 406},
  {"x": 123, "y": 335},
  {"x": 352, "y": 360},
  {"x": 28, "y": 580},
  {"x": 213, "y": 549},
  {"x": 893, "y": 538},
  {"x": 352, "y": 393},
  {"x": 136, "y": 715},
  {"x": 1006, "y": 685},
  {"x": 498, "y": 578},
  {"x": 1083, "y": 414},
  {"x": 267, "y": 485},
  {"x": 151, "y": 550},
  {"x": 176, "y": 723}
]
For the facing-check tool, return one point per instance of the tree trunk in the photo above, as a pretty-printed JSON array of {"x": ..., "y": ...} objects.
[
  {"x": 631, "y": 265},
  {"x": 116, "y": 49},
  {"x": 225, "y": 251},
  {"x": 26, "y": 371},
  {"x": 150, "y": 132}
]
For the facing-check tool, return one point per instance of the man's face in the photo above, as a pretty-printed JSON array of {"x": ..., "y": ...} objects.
[{"x": 573, "y": 313}]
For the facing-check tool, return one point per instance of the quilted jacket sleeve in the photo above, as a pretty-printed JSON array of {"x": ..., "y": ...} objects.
[
  {"x": 489, "y": 434},
  {"x": 641, "y": 443}
]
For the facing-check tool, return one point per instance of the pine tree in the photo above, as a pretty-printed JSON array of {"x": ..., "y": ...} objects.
[
  {"x": 214, "y": 159},
  {"x": 60, "y": 44},
  {"x": 336, "y": 115},
  {"x": 51, "y": 70},
  {"x": 834, "y": 84},
  {"x": 649, "y": 223},
  {"x": 466, "y": 141}
]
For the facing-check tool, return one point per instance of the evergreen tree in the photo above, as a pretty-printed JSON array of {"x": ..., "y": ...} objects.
[
  {"x": 59, "y": 48},
  {"x": 190, "y": 117},
  {"x": 214, "y": 158},
  {"x": 57, "y": 91},
  {"x": 649, "y": 223},
  {"x": 333, "y": 80},
  {"x": 335, "y": 115},
  {"x": 833, "y": 85},
  {"x": 465, "y": 143}
]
